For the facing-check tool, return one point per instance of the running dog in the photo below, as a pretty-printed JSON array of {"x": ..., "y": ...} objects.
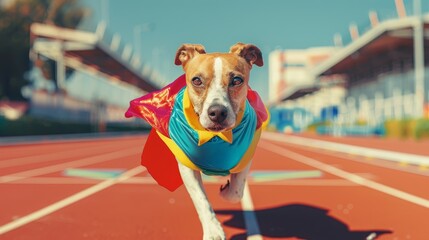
[{"x": 207, "y": 121}]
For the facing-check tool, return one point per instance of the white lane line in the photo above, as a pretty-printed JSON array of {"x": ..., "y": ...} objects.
[
  {"x": 150, "y": 181},
  {"x": 69, "y": 200},
  {"x": 381, "y": 163},
  {"x": 419, "y": 160},
  {"x": 253, "y": 231},
  {"x": 57, "y": 155},
  {"x": 58, "y": 167},
  {"x": 346, "y": 175}
]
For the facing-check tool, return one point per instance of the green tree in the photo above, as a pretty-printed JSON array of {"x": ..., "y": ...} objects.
[{"x": 15, "y": 20}]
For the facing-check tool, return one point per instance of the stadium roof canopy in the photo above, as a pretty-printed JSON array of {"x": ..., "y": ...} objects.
[
  {"x": 386, "y": 41},
  {"x": 298, "y": 91},
  {"x": 94, "y": 51}
]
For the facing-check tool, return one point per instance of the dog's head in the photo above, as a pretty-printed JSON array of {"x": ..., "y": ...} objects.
[{"x": 218, "y": 82}]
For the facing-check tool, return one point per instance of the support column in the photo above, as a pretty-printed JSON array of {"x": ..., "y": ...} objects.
[
  {"x": 61, "y": 68},
  {"x": 419, "y": 61}
]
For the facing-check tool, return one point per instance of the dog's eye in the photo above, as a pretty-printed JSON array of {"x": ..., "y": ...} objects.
[
  {"x": 196, "y": 81},
  {"x": 236, "y": 81}
]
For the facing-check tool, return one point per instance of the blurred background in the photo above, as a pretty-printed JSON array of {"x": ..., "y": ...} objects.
[{"x": 331, "y": 67}]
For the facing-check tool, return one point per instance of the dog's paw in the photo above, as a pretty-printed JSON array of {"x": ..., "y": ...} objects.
[
  {"x": 213, "y": 230},
  {"x": 230, "y": 194},
  {"x": 218, "y": 237},
  {"x": 215, "y": 234}
]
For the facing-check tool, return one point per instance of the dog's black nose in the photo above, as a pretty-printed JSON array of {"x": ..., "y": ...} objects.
[{"x": 217, "y": 113}]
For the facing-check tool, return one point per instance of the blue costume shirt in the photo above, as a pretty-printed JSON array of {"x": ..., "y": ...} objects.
[{"x": 217, "y": 156}]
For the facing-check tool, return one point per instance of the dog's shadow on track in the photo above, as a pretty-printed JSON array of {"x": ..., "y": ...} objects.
[{"x": 300, "y": 221}]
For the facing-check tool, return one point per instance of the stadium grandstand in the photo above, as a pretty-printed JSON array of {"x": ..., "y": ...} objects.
[
  {"x": 93, "y": 75},
  {"x": 380, "y": 66}
]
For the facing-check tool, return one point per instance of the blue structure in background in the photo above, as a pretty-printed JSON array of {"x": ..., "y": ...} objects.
[
  {"x": 290, "y": 119},
  {"x": 329, "y": 113}
]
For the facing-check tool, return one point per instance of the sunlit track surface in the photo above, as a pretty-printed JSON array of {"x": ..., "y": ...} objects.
[{"x": 95, "y": 189}]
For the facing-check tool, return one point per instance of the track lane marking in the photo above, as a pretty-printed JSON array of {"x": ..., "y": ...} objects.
[
  {"x": 250, "y": 221},
  {"x": 365, "y": 160},
  {"x": 57, "y": 155},
  {"x": 150, "y": 181},
  {"x": 419, "y": 160},
  {"x": 345, "y": 175},
  {"x": 69, "y": 200},
  {"x": 58, "y": 167},
  {"x": 373, "y": 161}
]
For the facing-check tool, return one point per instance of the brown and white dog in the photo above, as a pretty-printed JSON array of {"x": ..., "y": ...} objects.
[{"x": 217, "y": 86}]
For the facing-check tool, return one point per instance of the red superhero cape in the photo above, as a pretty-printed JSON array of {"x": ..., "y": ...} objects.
[{"x": 156, "y": 108}]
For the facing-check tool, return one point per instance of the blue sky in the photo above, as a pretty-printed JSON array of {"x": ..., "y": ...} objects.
[{"x": 270, "y": 25}]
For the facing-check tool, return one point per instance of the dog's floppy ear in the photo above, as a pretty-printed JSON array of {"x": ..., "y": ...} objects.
[
  {"x": 250, "y": 52},
  {"x": 187, "y": 52}
]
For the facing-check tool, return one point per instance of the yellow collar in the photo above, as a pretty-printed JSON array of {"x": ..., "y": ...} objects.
[{"x": 204, "y": 135}]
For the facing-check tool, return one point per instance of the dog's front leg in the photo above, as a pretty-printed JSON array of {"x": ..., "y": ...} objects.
[
  {"x": 212, "y": 229},
  {"x": 232, "y": 191}
]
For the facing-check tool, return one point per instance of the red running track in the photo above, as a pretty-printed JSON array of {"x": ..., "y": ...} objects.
[{"x": 319, "y": 195}]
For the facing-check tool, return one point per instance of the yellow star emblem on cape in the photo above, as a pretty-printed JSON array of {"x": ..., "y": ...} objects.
[{"x": 204, "y": 135}]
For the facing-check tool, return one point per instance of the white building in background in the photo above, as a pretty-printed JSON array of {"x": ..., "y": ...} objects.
[
  {"x": 378, "y": 73},
  {"x": 386, "y": 69},
  {"x": 291, "y": 71},
  {"x": 297, "y": 98}
]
